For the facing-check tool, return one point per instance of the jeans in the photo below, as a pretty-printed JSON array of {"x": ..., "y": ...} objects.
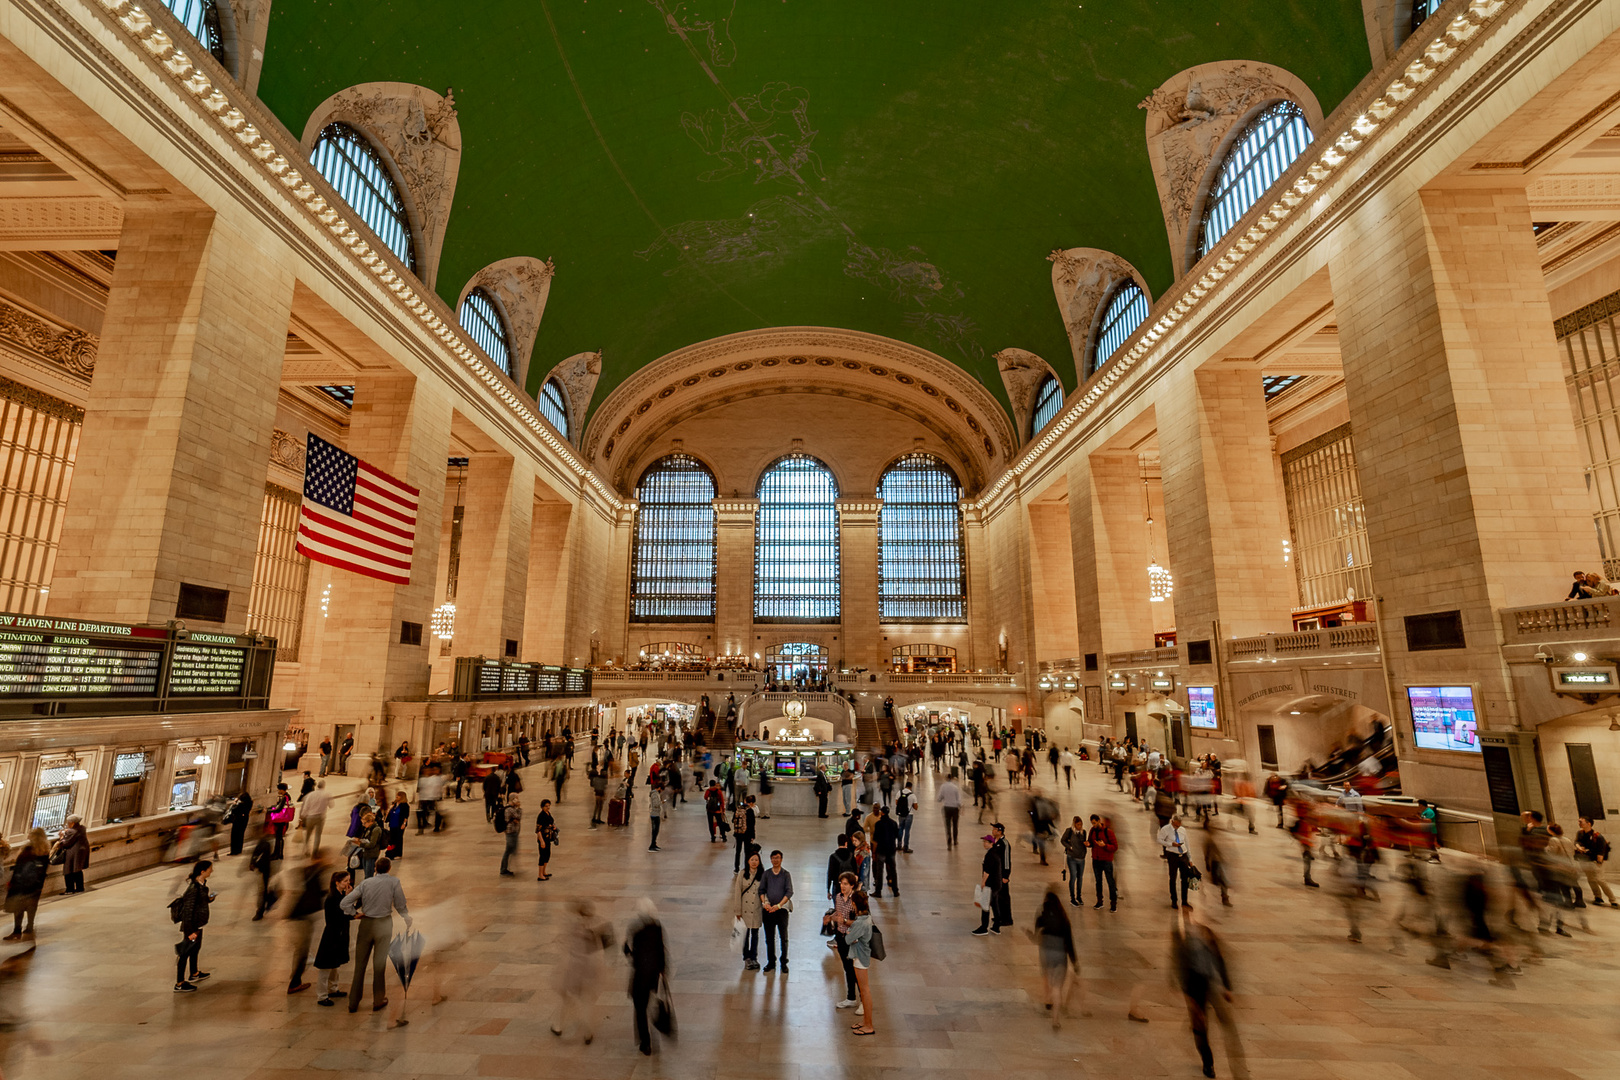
[
  {"x": 851, "y": 991},
  {"x": 371, "y": 941},
  {"x": 188, "y": 952},
  {"x": 655, "y": 823},
  {"x": 751, "y": 943},
  {"x": 1077, "y": 871},
  {"x": 506, "y": 854},
  {"x": 905, "y": 831},
  {"x": 884, "y": 862},
  {"x": 1101, "y": 868},
  {"x": 952, "y": 815},
  {"x": 776, "y": 927}
]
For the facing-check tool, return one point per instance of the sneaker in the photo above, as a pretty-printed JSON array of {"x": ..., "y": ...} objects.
[
  {"x": 860, "y": 1010},
  {"x": 199, "y": 976},
  {"x": 847, "y": 1003},
  {"x": 184, "y": 988},
  {"x": 995, "y": 929},
  {"x": 980, "y": 931}
]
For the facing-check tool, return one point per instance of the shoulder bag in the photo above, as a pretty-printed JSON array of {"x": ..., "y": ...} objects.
[{"x": 878, "y": 951}]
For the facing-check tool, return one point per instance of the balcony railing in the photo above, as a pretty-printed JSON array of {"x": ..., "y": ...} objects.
[
  {"x": 1161, "y": 657},
  {"x": 1580, "y": 620},
  {"x": 1359, "y": 638}
]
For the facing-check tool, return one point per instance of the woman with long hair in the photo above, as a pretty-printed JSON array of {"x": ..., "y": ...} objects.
[
  {"x": 749, "y": 908},
  {"x": 1055, "y": 938},
  {"x": 333, "y": 951},
  {"x": 859, "y": 937},
  {"x": 27, "y": 882}
]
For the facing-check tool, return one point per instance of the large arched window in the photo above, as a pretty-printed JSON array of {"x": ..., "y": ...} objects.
[
  {"x": 201, "y": 19},
  {"x": 672, "y": 571},
  {"x": 796, "y": 542},
  {"x": 357, "y": 172},
  {"x": 920, "y": 575},
  {"x": 482, "y": 320},
  {"x": 1263, "y": 151},
  {"x": 1127, "y": 308},
  {"x": 554, "y": 406},
  {"x": 1048, "y": 400}
]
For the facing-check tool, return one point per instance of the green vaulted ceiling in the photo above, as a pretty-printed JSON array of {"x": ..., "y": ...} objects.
[{"x": 904, "y": 167}]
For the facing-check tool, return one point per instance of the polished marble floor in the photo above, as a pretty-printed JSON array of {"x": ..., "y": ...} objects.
[{"x": 93, "y": 998}]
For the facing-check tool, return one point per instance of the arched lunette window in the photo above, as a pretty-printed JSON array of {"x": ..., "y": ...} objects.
[
  {"x": 1270, "y": 143},
  {"x": 359, "y": 174},
  {"x": 554, "y": 406},
  {"x": 1127, "y": 309},
  {"x": 482, "y": 320},
  {"x": 1048, "y": 401},
  {"x": 201, "y": 20},
  {"x": 920, "y": 576},
  {"x": 673, "y": 569},
  {"x": 796, "y": 569}
]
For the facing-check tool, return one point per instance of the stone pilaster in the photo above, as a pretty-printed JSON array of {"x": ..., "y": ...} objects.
[
  {"x": 169, "y": 482},
  {"x": 546, "y": 612},
  {"x": 493, "y": 579},
  {"x": 734, "y": 587},
  {"x": 1467, "y": 454},
  {"x": 858, "y": 584},
  {"x": 1108, "y": 531}
]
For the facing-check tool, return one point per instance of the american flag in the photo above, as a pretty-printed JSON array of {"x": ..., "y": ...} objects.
[{"x": 355, "y": 516}]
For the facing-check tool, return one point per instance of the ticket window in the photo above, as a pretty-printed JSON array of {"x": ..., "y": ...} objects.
[
  {"x": 184, "y": 792},
  {"x": 128, "y": 785},
  {"x": 54, "y": 800},
  {"x": 235, "y": 777}
]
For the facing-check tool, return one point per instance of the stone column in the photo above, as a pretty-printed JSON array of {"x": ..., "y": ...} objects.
[
  {"x": 401, "y": 426},
  {"x": 546, "y": 613},
  {"x": 169, "y": 482},
  {"x": 1226, "y": 520},
  {"x": 734, "y": 585},
  {"x": 1109, "y": 535},
  {"x": 493, "y": 579},
  {"x": 1466, "y": 449},
  {"x": 1051, "y": 557},
  {"x": 858, "y": 584}
]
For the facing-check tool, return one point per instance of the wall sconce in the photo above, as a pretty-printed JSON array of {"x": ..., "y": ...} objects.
[
  {"x": 79, "y": 774},
  {"x": 289, "y": 746}
]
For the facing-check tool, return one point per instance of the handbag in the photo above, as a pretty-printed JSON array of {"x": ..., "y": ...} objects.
[
  {"x": 828, "y": 929},
  {"x": 664, "y": 1010},
  {"x": 877, "y": 949}
]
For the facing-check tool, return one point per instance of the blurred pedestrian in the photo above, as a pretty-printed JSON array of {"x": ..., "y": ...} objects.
[
  {"x": 1215, "y": 866},
  {"x": 300, "y": 921},
  {"x": 263, "y": 863},
  {"x": 588, "y": 938},
  {"x": 333, "y": 950},
  {"x": 1206, "y": 985},
  {"x": 1054, "y": 937},
  {"x": 27, "y": 882},
  {"x": 312, "y": 817},
  {"x": 644, "y": 945}
]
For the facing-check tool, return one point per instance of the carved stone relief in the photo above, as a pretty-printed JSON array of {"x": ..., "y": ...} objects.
[
  {"x": 287, "y": 450},
  {"x": 68, "y": 348},
  {"x": 244, "y": 31},
  {"x": 520, "y": 286},
  {"x": 1083, "y": 279},
  {"x": 1022, "y": 373},
  {"x": 419, "y": 131},
  {"x": 1188, "y": 121},
  {"x": 59, "y": 222},
  {"x": 578, "y": 375}
]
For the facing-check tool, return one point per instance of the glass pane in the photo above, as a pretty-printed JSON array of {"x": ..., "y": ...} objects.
[
  {"x": 358, "y": 174},
  {"x": 920, "y": 542},
  {"x": 673, "y": 569},
  {"x": 1268, "y": 146},
  {"x": 553, "y": 407},
  {"x": 1047, "y": 404},
  {"x": 1125, "y": 312},
  {"x": 796, "y": 568},
  {"x": 484, "y": 325}
]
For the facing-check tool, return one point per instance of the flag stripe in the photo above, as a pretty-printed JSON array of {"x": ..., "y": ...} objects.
[
  {"x": 352, "y": 551},
  {"x": 382, "y": 509},
  {"x": 357, "y": 568},
  {"x": 341, "y": 525},
  {"x": 382, "y": 477},
  {"x": 405, "y": 502}
]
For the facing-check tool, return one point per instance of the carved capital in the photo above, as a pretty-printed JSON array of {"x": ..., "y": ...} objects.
[{"x": 287, "y": 450}]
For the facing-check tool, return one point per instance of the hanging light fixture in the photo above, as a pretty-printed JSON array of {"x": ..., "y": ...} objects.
[
  {"x": 326, "y": 600},
  {"x": 289, "y": 746},
  {"x": 202, "y": 759},
  {"x": 1160, "y": 584},
  {"x": 444, "y": 621}
]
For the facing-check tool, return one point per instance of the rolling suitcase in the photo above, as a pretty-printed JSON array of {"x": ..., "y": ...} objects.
[{"x": 616, "y": 812}]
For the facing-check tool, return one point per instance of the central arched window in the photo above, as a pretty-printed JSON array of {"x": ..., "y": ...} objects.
[
  {"x": 1048, "y": 400},
  {"x": 554, "y": 406},
  {"x": 1126, "y": 310},
  {"x": 672, "y": 571},
  {"x": 482, "y": 321},
  {"x": 1270, "y": 143},
  {"x": 359, "y": 174},
  {"x": 920, "y": 575},
  {"x": 201, "y": 19},
  {"x": 796, "y": 574}
]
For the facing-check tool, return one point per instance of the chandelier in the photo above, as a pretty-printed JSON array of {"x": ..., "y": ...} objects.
[
  {"x": 444, "y": 621},
  {"x": 1160, "y": 584}
]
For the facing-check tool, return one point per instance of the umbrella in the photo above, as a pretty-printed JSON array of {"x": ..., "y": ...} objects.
[{"x": 405, "y": 951}]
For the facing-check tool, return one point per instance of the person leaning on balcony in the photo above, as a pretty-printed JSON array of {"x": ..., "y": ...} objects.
[
  {"x": 1596, "y": 585},
  {"x": 1579, "y": 589}
]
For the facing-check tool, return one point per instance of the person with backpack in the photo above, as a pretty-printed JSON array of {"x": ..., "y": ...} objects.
[
  {"x": 190, "y": 910},
  {"x": 742, "y": 829},
  {"x": 714, "y": 806},
  {"x": 1074, "y": 858},
  {"x": 545, "y": 835},
  {"x": 508, "y": 820},
  {"x": 27, "y": 882},
  {"x": 1103, "y": 844},
  {"x": 903, "y": 814},
  {"x": 839, "y": 863}
]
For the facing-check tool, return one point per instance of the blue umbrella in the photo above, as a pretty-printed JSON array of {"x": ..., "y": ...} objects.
[{"x": 405, "y": 951}]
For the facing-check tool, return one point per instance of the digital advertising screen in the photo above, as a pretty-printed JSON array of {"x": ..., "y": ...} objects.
[
  {"x": 1443, "y": 718},
  {"x": 1201, "y": 707},
  {"x": 787, "y": 765}
]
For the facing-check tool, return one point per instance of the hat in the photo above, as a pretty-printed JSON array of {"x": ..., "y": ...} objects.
[
  {"x": 990, "y": 837},
  {"x": 998, "y": 825}
]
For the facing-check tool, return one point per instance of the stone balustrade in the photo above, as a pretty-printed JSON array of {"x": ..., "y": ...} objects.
[
  {"x": 1579, "y": 620},
  {"x": 1333, "y": 640}
]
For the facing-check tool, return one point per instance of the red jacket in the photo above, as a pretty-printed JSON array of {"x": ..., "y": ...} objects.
[{"x": 1103, "y": 843}]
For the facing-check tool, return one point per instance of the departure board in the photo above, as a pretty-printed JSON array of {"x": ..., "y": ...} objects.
[
  {"x": 478, "y": 677},
  {"x": 36, "y": 665}
]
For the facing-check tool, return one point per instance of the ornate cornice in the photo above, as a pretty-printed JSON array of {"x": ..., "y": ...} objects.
[
  {"x": 39, "y": 401},
  {"x": 68, "y": 348},
  {"x": 287, "y": 450}
]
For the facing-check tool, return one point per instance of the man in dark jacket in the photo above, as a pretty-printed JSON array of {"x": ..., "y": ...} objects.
[
  {"x": 492, "y": 793},
  {"x": 311, "y": 899},
  {"x": 742, "y": 825},
  {"x": 885, "y": 842},
  {"x": 644, "y": 945},
  {"x": 989, "y": 878},
  {"x": 823, "y": 789},
  {"x": 839, "y": 862},
  {"x": 1206, "y": 985},
  {"x": 1103, "y": 843},
  {"x": 239, "y": 814}
]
